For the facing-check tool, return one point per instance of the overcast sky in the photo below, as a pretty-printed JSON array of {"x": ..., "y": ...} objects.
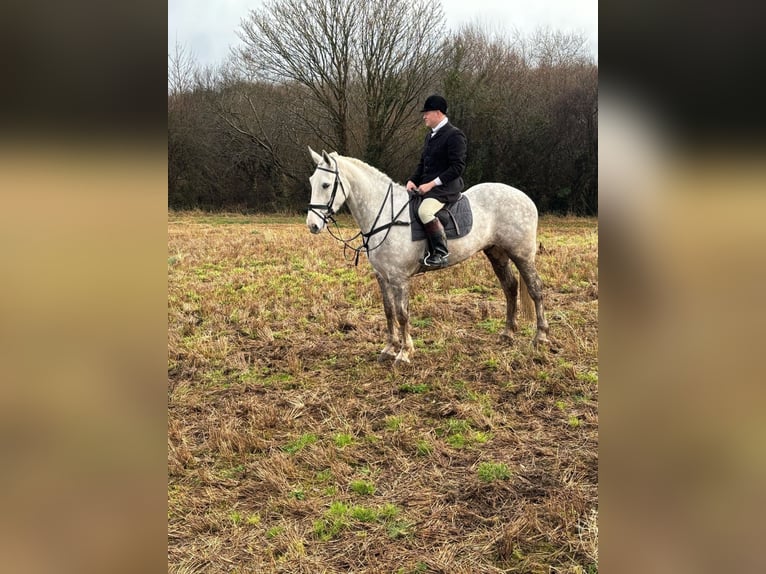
[{"x": 207, "y": 29}]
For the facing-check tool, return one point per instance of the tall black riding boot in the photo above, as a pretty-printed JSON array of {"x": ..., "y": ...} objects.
[{"x": 437, "y": 239}]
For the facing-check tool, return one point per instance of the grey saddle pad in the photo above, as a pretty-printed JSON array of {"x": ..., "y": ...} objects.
[{"x": 457, "y": 218}]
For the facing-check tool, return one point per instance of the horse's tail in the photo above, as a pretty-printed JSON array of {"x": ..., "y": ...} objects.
[{"x": 527, "y": 308}]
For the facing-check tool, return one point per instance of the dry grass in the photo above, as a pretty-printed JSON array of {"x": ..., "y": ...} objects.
[{"x": 291, "y": 449}]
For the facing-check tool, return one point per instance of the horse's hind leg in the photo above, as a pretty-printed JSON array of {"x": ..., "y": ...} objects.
[
  {"x": 535, "y": 289},
  {"x": 501, "y": 265},
  {"x": 392, "y": 347}
]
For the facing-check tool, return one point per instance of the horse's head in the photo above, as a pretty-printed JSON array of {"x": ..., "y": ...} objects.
[{"x": 327, "y": 192}]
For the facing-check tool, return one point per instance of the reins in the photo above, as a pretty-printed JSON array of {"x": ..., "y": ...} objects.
[{"x": 329, "y": 214}]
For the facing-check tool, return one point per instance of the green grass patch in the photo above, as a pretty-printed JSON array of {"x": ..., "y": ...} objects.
[
  {"x": 415, "y": 389},
  {"x": 493, "y": 326},
  {"x": 480, "y": 437},
  {"x": 300, "y": 443},
  {"x": 574, "y": 421},
  {"x": 362, "y": 487},
  {"x": 492, "y": 363},
  {"x": 457, "y": 440},
  {"x": 526, "y": 331},
  {"x": 458, "y": 433},
  {"x": 341, "y": 516},
  {"x": 588, "y": 377},
  {"x": 282, "y": 378},
  {"x": 235, "y": 517},
  {"x": 491, "y": 471},
  {"x": 363, "y": 514},
  {"x": 394, "y": 423},
  {"x": 238, "y": 519},
  {"x": 342, "y": 440},
  {"x": 424, "y": 448},
  {"x": 326, "y": 529}
]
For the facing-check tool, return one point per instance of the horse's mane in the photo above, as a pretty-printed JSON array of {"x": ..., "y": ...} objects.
[{"x": 375, "y": 172}]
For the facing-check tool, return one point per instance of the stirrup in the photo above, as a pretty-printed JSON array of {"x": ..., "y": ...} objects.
[{"x": 440, "y": 262}]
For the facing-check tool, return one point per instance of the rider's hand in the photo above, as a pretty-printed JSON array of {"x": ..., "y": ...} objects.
[{"x": 426, "y": 187}]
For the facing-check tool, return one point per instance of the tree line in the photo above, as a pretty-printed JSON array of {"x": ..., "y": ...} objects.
[{"x": 351, "y": 76}]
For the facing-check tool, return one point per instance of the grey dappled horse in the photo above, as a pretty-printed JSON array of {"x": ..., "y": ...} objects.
[{"x": 504, "y": 227}]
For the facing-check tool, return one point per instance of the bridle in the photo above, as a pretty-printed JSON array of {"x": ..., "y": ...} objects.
[{"x": 328, "y": 214}]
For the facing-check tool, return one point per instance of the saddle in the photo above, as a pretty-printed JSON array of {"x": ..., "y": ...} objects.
[{"x": 456, "y": 217}]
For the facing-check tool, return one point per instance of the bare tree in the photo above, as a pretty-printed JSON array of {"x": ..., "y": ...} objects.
[
  {"x": 181, "y": 70},
  {"x": 386, "y": 51},
  {"x": 255, "y": 112},
  {"x": 556, "y": 48},
  {"x": 399, "y": 56},
  {"x": 309, "y": 42}
]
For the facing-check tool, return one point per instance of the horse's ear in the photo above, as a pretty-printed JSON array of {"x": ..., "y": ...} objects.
[
  {"x": 326, "y": 157},
  {"x": 315, "y": 156}
]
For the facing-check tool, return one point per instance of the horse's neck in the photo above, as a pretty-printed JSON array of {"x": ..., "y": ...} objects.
[{"x": 366, "y": 194}]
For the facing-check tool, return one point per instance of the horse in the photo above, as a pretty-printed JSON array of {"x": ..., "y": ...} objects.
[{"x": 504, "y": 228}]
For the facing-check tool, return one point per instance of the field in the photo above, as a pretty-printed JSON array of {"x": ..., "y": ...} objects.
[{"x": 292, "y": 450}]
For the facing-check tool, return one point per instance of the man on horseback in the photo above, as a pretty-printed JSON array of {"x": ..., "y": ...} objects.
[{"x": 438, "y": 175}]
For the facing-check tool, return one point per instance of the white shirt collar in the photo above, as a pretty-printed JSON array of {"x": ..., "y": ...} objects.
[{"x": 440, "y": 125}]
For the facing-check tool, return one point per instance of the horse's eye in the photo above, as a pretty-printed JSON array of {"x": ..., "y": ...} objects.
[{"x": 325, "y": 185}]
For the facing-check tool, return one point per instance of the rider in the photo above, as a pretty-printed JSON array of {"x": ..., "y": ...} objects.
[{"x": 438, "y": 175}]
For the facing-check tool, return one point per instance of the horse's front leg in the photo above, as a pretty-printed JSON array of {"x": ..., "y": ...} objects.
[
  {"x": 401, "y": 293},
  {"x": 389, "y": 352}
]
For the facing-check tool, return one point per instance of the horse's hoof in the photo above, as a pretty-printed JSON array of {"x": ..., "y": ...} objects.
[
  {"x": 506, "y": 337},
  {"x": 400, "y": 361},
  {"x": 386, "y": 358}
]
